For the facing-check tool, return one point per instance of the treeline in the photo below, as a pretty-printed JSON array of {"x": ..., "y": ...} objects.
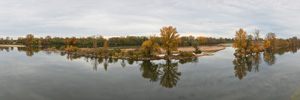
[
  {"x": 253, "y": 43},
  {"x": 7, "y": 40},
  {"x": 82, "y": 41},
  {"x": 31, "y": 40},
  {"x": 201, "y": 40}
]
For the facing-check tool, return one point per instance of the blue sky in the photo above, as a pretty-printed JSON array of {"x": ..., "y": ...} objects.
[{"x": 216, "y": 18}]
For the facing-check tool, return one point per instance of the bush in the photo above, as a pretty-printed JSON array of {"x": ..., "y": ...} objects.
[
  {"x": 116, "y": 54},
  {"x": 100, "y": 51},
  {"x": 117, "y": 50},
  {"x": 54, "y": 48},
  {"x": 185, "y": 54},
  {"x": 123, "y": 52},
  {"x": 111, "y": 53},
  {"x": 62, "y": 48},
  {"x": 198, "y": 52},
  {"x": 130, "y": 53},
  {"x": 76, "y": 49}
]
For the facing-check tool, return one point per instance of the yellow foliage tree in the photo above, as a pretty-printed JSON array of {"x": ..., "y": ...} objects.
[
  {"x": 202, "y": 39},
  {"x": 240, "y": 40},
  {"x": 267, "y": 45},
  {"x": 105, "y": 48},
  {"x": 150, "y": 47},
  {"x": 169, "y": 39},
  {"x": 271, "y": 37}
]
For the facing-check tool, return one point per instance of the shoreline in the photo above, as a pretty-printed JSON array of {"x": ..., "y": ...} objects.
[
  {"x": 3, "y": 45},
  {"x": 207, "y": 51}
]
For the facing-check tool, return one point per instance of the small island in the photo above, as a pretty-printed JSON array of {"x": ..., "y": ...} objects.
[{"x": 169, "y": 45}]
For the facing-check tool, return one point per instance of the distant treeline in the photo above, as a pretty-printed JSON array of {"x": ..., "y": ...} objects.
[
  {"x": 249, "y": 44},
  {"x": 112, "y": 42}
]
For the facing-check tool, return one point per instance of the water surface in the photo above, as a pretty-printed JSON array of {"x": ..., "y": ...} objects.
[{"x": 32, "y": 74}]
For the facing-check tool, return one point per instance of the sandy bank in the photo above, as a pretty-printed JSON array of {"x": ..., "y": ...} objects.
[{"x": 12, "y": 46}]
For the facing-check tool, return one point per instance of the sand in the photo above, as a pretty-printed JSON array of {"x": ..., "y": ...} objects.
[{"x": 12, "y": 46}]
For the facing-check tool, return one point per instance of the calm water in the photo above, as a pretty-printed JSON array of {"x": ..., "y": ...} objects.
[{"x": 30, "y": 74}]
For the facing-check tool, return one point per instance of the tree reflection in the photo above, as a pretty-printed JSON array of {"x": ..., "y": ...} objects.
[
  {"x": 29, "y": 50},
  {"x": 240, "y": 66},
  {"x": 187, "y": 60},
  {"x": 170, "y": 76},
  {"x": 7, "y": 49},
  {"x": 150, "y": 70},
  {"x": 167, "y": 72},
  {"x": 245, "y": 62}
]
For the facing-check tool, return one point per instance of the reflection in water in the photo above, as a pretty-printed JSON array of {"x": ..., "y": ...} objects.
[
  {"x": 150, "y": 70},
  {"x": 166, "y": 72},
  {"x": 244, "y": 63},
  {"x": 7, "y": 49},
  {"x": 170, "y": 76},
  {"x": 296, "y": 95},
  {"x": 28, "y": 50}
]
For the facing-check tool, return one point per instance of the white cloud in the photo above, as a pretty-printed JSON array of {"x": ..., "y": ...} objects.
[{"x": 145, "y": 17}]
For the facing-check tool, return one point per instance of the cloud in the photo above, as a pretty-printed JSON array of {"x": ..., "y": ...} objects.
[{"x": 140, "y": 17}]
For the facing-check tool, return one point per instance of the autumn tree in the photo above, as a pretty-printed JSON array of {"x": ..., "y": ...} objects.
[
  {"x": 29, "y": 39},
  {"x": 73, "y": 41},
  {"x": 240, "y": 40},
  {"x": 169, "y": 38},
  {"x": 105, "y": 48},
  {"x": 150, "y": 47},
  {"x": 249, "y": 42},
  {"x": 257, "y": 44},
  {"x": 270, "y": 41}
]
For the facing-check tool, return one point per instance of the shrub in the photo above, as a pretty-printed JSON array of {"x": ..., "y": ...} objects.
[
  {"x": 185, "y": 54},
  {"x": 100, "y": 51},
  {"x": 116, "y": 54},
  {"x": 198, "y": 52},
  {"x": 111, "y": 53},
  {"x": 130, "y": 53},
  {"x": 76, "y": 49},
  {"x": 117, "y": 50},
  {"x": 69, "y": 48},
  {"x": 123, "y": 52},
  {"x": 53, "y": 47},
  {"x": 62, "y": 48}
]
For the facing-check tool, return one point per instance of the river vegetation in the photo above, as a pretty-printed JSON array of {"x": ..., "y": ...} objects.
[
  {"x": 250, "y": 48},
  {"x": 143, "y": 47},
  {"x": 249, "y": 44}
]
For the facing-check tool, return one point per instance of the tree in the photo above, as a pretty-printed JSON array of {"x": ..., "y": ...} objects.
[
  {"x": 195, "y": 45},
  {"x": 240, "y": 40},
  {"x": 272, "y": 38},
  {"x": 257, "y": 44},
  {"x": 105, "y": 48},
  {"x": 150, "y": 47},
  {"x": 29, "y": 39},
  {"x": 169, "y": 39},
  {"x": 267, "y": 45},
  {"x": 249, "y": 45}
]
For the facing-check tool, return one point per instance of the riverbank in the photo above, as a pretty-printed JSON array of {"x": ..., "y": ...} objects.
[
  {"x": 135, "y": 53},
  {"x": 12, "y": 45}
]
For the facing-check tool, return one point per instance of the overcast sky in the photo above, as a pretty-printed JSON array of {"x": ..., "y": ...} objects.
[{"x": 216, "y": 18}]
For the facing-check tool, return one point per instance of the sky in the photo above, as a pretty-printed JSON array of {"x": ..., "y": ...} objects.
[{"x": 82, "y": 18}]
